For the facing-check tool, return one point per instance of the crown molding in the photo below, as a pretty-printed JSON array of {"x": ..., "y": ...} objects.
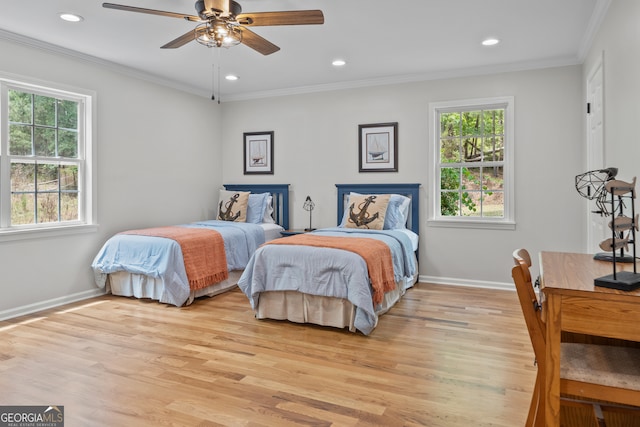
[
  {"x": 408, "y": 78},
  {"x": 599, "y": 12},
  {"x": 346, "y": 85},
  {"x": 112, "y": 66}
]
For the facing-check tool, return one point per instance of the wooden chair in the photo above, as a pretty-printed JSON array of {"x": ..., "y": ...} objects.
[{"x": 603, "y": 373}]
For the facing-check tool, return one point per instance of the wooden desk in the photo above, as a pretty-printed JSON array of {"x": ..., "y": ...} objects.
[{"x": 572, "y": 303}]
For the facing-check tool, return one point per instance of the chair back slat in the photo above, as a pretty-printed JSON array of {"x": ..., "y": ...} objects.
[{"x": 529, "y": 302}]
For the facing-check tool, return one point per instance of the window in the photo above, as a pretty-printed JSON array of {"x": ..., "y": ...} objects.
[
  {"x": 472, "y": 158},
  {"x": 46, "y": 164}
]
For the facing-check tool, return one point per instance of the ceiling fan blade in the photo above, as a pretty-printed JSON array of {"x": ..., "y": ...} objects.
[
  {"x": 151, "y": 11},
  {"x": 292, "y": 17},
  {"x": 258, "y": 43},
  {"x": 180, "y": 41}
]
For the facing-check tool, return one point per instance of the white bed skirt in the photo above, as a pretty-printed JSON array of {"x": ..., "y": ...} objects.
[
  {"x": 319, "y": 310},
  {"x": 141, "y": 286}
]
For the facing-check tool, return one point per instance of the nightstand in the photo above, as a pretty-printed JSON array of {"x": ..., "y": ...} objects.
[{"x": 292, "y": 232}]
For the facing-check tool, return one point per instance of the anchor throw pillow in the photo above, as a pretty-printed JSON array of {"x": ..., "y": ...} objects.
[
  {"x": 367, "y": 211},
  {"x": 233, "y": 205}
]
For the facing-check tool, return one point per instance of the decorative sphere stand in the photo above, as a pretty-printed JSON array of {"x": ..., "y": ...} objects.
[{"x": 623, "y": 234}]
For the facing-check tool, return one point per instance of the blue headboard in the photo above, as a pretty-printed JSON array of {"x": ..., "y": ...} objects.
[
  {"x": 411, "y": 191},
  {"x": 280, "y": 193}
]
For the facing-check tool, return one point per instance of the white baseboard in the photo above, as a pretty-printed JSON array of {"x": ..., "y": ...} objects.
[
  {"x": 467, "y": 282},
  {"x": 56, "y": 302},
  {"x": 52, "y": 303}
]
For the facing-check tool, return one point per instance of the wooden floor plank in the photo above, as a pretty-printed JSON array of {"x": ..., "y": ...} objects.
[{"x": 443, "y": 356}]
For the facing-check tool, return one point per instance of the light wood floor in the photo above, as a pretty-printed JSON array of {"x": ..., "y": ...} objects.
[{"x": 443, "y": 356}]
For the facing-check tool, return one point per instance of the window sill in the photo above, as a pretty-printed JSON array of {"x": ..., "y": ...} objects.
[
  {"x": 9, "y": 235},
  {"x": 472, "y": 223}
]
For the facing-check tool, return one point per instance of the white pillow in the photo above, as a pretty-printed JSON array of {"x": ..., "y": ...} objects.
[{"x": 268, "y": 212}]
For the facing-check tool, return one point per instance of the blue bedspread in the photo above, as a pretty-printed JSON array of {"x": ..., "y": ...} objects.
[
  {"x": 161, "y": 258},
  {"x": 326, "y": 272}
]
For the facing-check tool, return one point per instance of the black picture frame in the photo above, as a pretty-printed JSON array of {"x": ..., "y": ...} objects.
[
  {"x": 258, "y": 153},
  {"x": 378, "y": 147}
]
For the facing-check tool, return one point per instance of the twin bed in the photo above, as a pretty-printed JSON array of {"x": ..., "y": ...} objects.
[
  {"x": 344, "y": 277},
  {"x": 137, "y": 264},
  {"x": 294, "y": 279}
]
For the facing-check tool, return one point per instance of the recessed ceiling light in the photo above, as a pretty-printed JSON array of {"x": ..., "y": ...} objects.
[
  {"x": 71, "y": 17},
  {"x": 490, "y": 42},
  {"x": 339, "y": 62},
  {"x": 231, "y": 77}
]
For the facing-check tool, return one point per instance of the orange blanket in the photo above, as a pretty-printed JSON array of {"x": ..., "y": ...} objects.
[
  {"x": 376, "y": 254},
  {"x": 202, "y": 250}
]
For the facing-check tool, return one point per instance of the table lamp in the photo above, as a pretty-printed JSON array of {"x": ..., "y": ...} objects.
[{"x": 308, "y": 206}]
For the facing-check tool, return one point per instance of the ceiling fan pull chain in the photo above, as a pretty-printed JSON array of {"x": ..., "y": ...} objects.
[
  {"x": 218, "y": 53},
  {"x": 213, "y": 76}
]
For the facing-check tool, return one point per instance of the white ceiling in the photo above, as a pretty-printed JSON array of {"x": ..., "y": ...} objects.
[{"x": 382, "y": 41}]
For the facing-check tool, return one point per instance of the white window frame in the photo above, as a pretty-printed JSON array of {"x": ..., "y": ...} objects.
[
  {"x": 87, "y": 215},
  {"x": 434, "y": 217}
]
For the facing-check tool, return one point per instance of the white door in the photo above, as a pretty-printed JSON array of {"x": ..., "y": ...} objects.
[{"x": 597, "y": 228}]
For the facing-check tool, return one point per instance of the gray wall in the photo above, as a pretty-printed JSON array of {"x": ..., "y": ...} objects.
[
  {"x": 159, "y": 163},
  {"x": 316, "y": 146}
]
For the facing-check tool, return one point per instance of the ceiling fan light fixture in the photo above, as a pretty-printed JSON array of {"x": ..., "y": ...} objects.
[
  {"x": 220, "y": 28},
  {"x": 232, "y": 38},
  {"x": 231, "y": 77},
  {"x": 339, "y": 63},
  {"x": 218, "y": 34}
]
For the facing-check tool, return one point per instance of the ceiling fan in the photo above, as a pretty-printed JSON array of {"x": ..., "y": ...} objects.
[{"x": 222, "y": 24}]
